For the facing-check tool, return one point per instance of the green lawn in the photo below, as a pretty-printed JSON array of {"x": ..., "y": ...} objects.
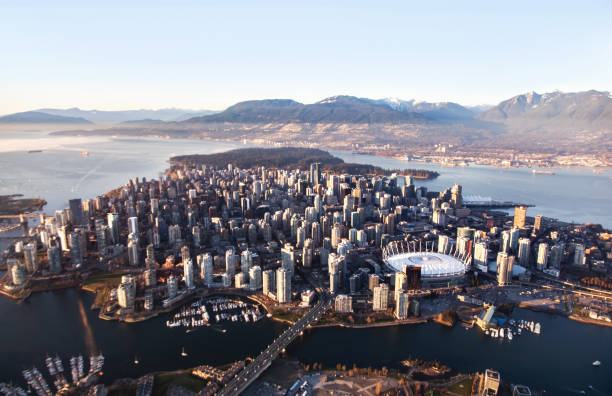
[
  {"x": 100, "y": 280},
  {"x": 187, "y": 381},
  {"x": 465, "y": 391}
]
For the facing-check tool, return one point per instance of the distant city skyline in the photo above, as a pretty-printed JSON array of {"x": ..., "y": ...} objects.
[{"x": 212, "y": 55}]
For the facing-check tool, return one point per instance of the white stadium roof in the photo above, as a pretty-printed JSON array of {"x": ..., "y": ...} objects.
[{"x": 433, "y": 265}]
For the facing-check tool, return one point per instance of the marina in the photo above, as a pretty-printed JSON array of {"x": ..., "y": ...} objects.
[
  {"x": 37, "y": 382},
  {"x": 513, "y": 329},
  {"x": 216, "y": 310}
]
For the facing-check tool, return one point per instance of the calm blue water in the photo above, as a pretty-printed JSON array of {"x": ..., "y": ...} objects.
[
  {"x": 572, "y": 194},
  {"x": 60, "y": 172}
]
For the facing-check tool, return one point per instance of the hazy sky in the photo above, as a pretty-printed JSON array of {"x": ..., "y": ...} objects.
[{"x": 208, "y": 55}]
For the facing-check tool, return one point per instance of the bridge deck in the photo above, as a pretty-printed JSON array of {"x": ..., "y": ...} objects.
[{"x": 254, "y": 369}]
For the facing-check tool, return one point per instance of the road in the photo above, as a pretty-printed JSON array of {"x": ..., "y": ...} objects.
[{"x": 254, "y": 369}]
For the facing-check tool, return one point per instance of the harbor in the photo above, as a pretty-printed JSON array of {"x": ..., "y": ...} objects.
[
  {"x": 216, "y": 310},
  {"x": 78, "y": 377}
]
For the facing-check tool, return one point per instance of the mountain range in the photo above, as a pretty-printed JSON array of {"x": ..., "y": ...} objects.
[
  {"x": 532, "y": 111},
  {"x": 39, "y": 117},
  {"x": 549, "y": 122},
  {"x": 529, "y": 111},
  {"x": 344, "y": 109},
  {"x": 76, "y": 115}
]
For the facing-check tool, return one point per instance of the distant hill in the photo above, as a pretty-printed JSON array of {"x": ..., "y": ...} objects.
[
  {"x": 337, "y": 109},
  {"x": 479, "y": 108},
  {"x": 38, "y": 117},
  {"x": 144, "y": 121},
  {"x": 554, "y": 122},
  {"x": 576, "y": 110},
  {"x": 104, "y": 116},
  {"x": 442, "y": 111}
]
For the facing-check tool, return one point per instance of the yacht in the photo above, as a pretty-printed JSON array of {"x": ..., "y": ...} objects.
[
  {"x": 537, "y": 328},
  {"x": 596, "y": 363}
]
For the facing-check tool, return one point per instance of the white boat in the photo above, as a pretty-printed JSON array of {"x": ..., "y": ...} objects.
[
  {"x": 50, "y": 366},
  {"x": 537, "y": 328},
  {"x": 510, "y": 335},
  {"x": 183, "y": 353},
  {"x": 58, "y": 364},
  {"x": 596, "y": 363},
  {"x": 501, "y": 333}
]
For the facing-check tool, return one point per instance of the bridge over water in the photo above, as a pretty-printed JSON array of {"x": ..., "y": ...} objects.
[{"x": 254, "y": 369}]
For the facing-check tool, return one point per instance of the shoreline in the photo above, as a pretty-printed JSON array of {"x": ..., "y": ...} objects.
[{"x": 258, "y": 143}]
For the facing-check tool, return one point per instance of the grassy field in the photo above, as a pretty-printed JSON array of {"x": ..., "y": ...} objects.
[
  {"x": 187, "y": 381},
  {"x": 101, "y": 280},
  {"x": 287, "y": 315},
  {"x": 463, "y": 388}
]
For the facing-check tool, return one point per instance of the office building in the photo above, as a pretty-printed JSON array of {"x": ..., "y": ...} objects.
[
  {"x": 268, "y": 282},
  {"x": 230, "y": 263},
  {"x": 288, "y": 258},
  {"x": 307, "y": 253},
  {"x": 283, "y": 285},
  {"x": 150, "y": 277},
  {"x": 579, "y": 255},
  {"x": 239, "y": 281},
  {"x": 133, "y": 251},
  {"x": 76, "y": 212},
  {"x": 402, "y": 303},
  {"x": 481, "y": 253},
  {"x": 443, "y": 244},
  {"x": 188, "y": 273},
  {"x": 172, "y": 286},
  {"x": 556, "y": 255},
  {"x": 16, "y": 271},
  {"x": 380, "y": 300},
  {"x": 400, "y": 283},
  {"x": 490, "y": 385},
  {"x": 112, "y": 220},
  {"x": 343, "y": 303},
  {"x": 520, "y": 214},
  {"x": 126, "y": 292},
  {"x": 505, "y": 264},
  {"x": 373, "y": 282},
  {"x": 255, "y": 278},
  {"x": 205, "y": 263},
  {"x": 30, "y": 254},
  {"x": 133, "y": 225},
  {"x": 542, "y": 259},
  {"x": 55, "y": 259},
  {"x": 76, "y": 252},
  {"x": 413, "y": 278},
  {"x": 524, "y": 250}
]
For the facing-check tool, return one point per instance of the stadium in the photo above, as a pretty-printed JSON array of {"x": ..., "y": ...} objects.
[{"x": 437, "y": 269}]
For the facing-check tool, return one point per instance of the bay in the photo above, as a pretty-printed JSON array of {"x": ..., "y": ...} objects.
[{"x": 61, "y": 322}]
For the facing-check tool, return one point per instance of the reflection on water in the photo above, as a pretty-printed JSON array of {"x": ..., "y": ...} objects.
[{"x": 90, "y": 342}]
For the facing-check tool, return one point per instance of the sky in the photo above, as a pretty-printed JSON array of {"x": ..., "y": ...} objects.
[{"x": 210, "y": 55}]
